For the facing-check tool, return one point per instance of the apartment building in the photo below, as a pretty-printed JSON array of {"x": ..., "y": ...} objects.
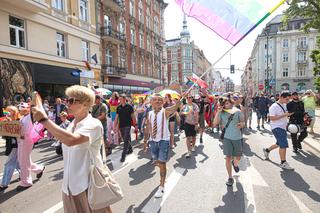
[
  {"x": 132, "y": 34},
  {"x": 48, "y": 45},
  {"x": 280, "y": 56},
  {"x": 185, "y": 58}
]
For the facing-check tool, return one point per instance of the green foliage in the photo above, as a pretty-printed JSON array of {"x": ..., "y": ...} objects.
[{"x": 310, "y": 10}]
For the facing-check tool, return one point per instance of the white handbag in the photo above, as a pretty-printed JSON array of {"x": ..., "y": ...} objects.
[{"x": 103, "y": 189}]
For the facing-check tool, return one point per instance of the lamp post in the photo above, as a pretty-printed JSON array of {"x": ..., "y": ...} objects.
[{"x": 267, "y": 86}]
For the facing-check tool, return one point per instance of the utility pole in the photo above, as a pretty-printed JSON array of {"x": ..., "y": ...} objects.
[{"x": 267, "y": 86}]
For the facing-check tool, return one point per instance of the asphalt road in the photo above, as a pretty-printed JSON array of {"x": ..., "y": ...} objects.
[{"x": 196, "y": 184}]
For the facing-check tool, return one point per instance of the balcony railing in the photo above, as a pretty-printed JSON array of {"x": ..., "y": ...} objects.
[
  {"x": 302, "y": 46},
  {"x": 115, "y": 5},
  {"x": 300, "y": 61},
  {"x": 109, "y": 32},
  {"x": 112, "y": 70}
]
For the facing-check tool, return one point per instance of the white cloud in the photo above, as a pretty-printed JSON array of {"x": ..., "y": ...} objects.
[{"x": 212, "y": 45}]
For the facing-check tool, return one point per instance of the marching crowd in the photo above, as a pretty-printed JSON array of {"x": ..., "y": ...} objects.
[{"x": 84, "y": 119}]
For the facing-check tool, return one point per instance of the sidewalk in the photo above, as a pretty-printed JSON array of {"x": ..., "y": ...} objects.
[{"x": 313, "y": 140}]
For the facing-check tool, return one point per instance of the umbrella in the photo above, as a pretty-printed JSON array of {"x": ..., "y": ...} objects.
[
  {"x": 174, "y": 94},
  {"x": 102, "y": 91}
]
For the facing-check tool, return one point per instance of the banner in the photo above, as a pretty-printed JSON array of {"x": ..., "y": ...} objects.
[{"x": 10, "y": 128}]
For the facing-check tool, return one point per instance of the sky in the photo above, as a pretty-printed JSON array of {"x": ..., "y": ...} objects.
[{"x": 212, "y": 45}]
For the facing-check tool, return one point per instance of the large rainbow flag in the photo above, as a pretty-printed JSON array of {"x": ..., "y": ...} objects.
[{"x": 230, "y": 19}]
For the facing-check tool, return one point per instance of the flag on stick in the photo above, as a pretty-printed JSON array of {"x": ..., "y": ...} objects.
[
  {"x": 232, "y": 20},
  {"x": 197, "y": 81}
]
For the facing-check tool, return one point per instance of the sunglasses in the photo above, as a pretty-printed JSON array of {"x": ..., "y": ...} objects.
[{"x": 71, "y": 101}]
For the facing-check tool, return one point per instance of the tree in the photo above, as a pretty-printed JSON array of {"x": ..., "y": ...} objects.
[{"x": 310, "y": 10}]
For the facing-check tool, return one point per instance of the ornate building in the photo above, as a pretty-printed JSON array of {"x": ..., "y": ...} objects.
[
  {"x": 132, "y": 33},
  {"x": 43, "y": 46},
  {"x": 185, "y": 58}
]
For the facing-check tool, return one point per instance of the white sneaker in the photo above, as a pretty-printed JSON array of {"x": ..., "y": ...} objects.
[
  {"x": 159, "y": 193},
  {"x": 193, "y": 149},
  {"x": 286, "y": 166},
  {"x": 266, "y": 154},
  {"x": 188, "y": 154}
]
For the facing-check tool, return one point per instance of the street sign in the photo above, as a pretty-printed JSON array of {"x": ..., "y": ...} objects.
[{"x": 261, "y": 87}]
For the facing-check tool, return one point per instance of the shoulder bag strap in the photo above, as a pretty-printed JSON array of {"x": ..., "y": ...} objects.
[
  {"x": 281, "y": 107},
  {"x": 229, "y": 121}
]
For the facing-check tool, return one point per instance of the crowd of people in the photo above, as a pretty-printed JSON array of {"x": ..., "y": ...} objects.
[{"x": 85, "y": 119}]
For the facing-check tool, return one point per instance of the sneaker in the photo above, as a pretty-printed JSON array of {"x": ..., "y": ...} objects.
[
  {"x": 188, "y": 154},
  {"x": 159, "y": 193},
  {"x": 201, "y": 141},
  {"x": 266, "y": 154},
  {"x": 262, "y": 126},
  {"x": 236, "y": 168},
  {"x": 299, "y": 146},
  {"x": 295, "y": 149},
  {"x": 3, "y": 188},
  {"x": 229, "y": 182},
  {"x": 258, "y": 127},
  {"x": 123, "y": 158},
  {"x": 286, "y": 166},
  {"x": 193, "y": 149},
  {"x": 250, "y": 127}
]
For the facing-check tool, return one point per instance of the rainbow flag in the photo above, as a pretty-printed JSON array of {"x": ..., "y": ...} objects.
[{"x": 232, "y": 20}]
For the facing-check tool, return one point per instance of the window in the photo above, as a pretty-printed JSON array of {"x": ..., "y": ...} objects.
[
  {"x": 140, "y": 10},
  {"x": 107, "y": 24},
  {"x": 149, "y": 70},
  {"x": 155, "y": 27},
  {"x": 84, "y": 10},
  {"x": 285, "y": 43},
  {"x": 174, "y": 54},
  {"x": 58, "y": 4},
  {"x": 301, "y": 71},
  {"x": 148, "y": 18},
  {"x": 17, "y": 32},
  {"x": 302, "y": 42},
  {"x": 133, "y": 64},
  {"x": 187, "y": 52},
  {"x": 85, "y": 50},
  {"x": 61, "y": 46},
  {"x": 148, "y": 44},
  {"x": 141, "y": 39},
  {"x": 142, "y": 66},
  {"x": 285, "y": 57},
  {"x": 285, "y": 72},
  {"x": 131, "y": 8},
  {"x": 302, "y": 56},
  {"x": 108, "y": 57},
  {"x": 133, "y": 37}
]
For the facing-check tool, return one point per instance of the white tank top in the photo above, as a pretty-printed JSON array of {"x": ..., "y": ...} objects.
[{"x": 166, "y": 132}]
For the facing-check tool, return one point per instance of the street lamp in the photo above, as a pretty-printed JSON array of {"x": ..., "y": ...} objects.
[{"x": 267, "y": 83}]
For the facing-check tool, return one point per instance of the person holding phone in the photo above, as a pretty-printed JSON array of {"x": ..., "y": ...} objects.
[
  {"x": 278, "y": 121},
  {"x": 232, "y": 121}
]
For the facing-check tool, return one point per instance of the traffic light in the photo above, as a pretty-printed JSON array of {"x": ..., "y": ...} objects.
[
  {"x": 232, "y": 69},
  {"x": 266, "y": 83}
]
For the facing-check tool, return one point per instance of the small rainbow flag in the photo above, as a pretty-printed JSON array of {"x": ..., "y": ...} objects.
[{"x": 232, "y": 20}]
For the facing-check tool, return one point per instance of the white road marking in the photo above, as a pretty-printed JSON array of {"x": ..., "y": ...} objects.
[
  {"x": 249, "y": 177},
  {"x": 117, "y": 167},
  {"x": 303, "y": 208},
  {"x": 54, "y": 208},
  {"x": 154, "y": 204}
]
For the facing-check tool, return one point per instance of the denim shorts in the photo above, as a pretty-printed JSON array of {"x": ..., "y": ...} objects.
[
  {"x": 281, "y": 137},
  {"x": 160, "y": 150},
  {"x": 262, "y": 114}
]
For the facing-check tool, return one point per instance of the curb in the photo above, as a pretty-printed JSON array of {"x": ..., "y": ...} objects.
[{"x": 306, "y": 141}]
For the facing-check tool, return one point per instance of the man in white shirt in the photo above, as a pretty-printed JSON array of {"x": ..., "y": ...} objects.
[
  {"x": 158, "y": 133},
  {"x": 278, "y": 121}
]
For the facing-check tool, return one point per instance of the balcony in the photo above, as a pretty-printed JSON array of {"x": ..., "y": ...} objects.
[
  {"x": 302, "y": 61},
  {"x": 35, "y": 6},
  {"x": 113, "y": 71},
  {"x": 109, "y": 34},
  {"x": 115, "y": 5},
  {"x": 302, "y": 47}
]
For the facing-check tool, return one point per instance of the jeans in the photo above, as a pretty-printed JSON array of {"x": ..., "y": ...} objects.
[
  {"x": 126, "y": 135},
  {"x": 10, "y": 165}
]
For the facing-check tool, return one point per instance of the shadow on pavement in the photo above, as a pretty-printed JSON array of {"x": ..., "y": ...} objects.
[
  {"x": 308, "y": 158},
  {"x": 295, "y": 182},
  {"x": 234, "y": 201},
  {"x": 186, "y": 163},
  {"x": 199, "y": 150},
  {"x": 57, "y": 176},
  {"x": 141, "y": 173},
  {"x": 139, "y": 208}
]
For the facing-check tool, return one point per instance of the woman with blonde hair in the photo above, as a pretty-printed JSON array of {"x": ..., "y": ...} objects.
[
  {"x": 11, "y": 150},
  {"x": 81, "y": 144}
]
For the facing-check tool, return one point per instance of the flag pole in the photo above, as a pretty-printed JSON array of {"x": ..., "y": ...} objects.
[{"x": 221, "y": 57}]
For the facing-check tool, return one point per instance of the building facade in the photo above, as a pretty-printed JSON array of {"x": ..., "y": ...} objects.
[
  {"x": 280, "y": 57},
  {"x": 218, "y": 85},
  {"x": 229, "y": 85},
  {"x": 185, "y": 58},
  {"x": 44, "y": 45},
  {"x": 132, "y": 40}
]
